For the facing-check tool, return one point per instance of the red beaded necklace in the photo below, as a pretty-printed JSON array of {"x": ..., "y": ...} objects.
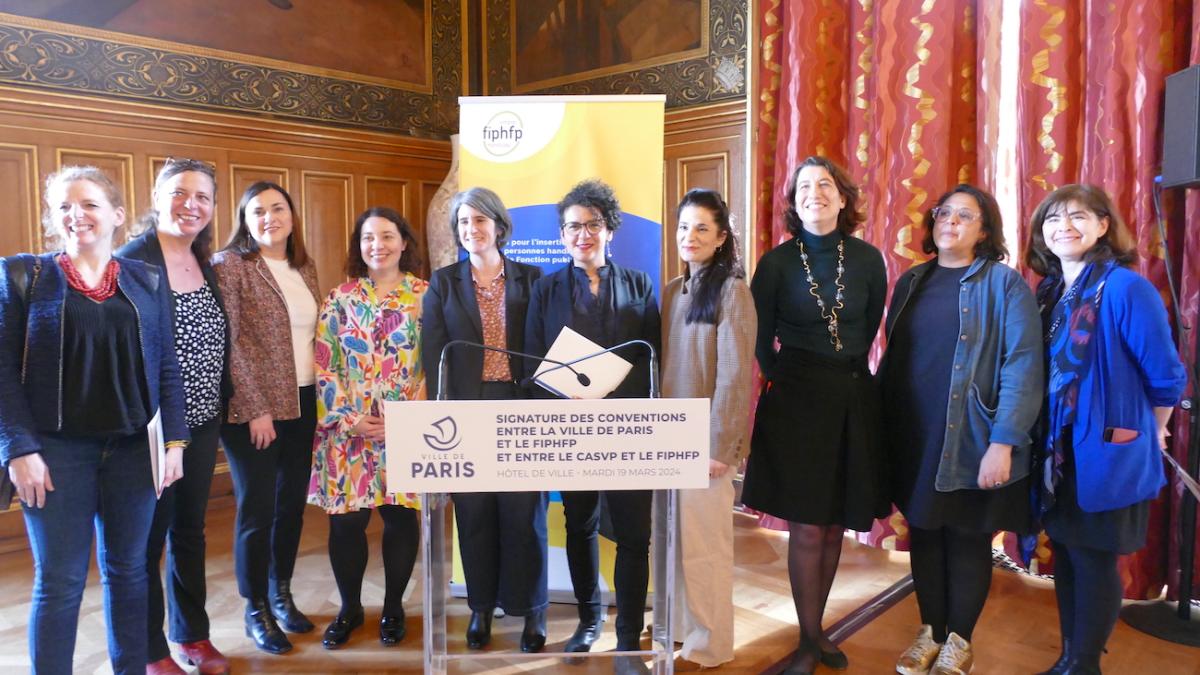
[{"x": 103, "y": 290}]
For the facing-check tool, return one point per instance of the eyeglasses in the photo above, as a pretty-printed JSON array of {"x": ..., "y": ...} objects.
[
  {"x": 575, "y": 229},
  {"x": 943, "y": 213}
]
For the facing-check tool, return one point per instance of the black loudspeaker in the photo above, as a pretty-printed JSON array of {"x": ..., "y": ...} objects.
[{"x": 1181, "y": 130}]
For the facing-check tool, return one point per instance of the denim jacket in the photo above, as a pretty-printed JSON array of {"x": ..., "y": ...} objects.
[
  {"x": 996, "y": 388},
  {"x": 31, "y": 356}
]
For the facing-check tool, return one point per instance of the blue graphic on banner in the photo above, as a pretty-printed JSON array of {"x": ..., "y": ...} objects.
[{"x": 536, "y": 241}]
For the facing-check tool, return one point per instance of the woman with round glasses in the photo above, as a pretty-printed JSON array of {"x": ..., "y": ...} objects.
[
  {"x": 608, "y": 304},
  {"x": 961, "y": 380}
]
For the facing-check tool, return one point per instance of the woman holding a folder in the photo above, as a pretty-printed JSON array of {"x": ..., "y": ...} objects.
[
  {"x": 87, "y": 361},
  {"x": 609, "y": 305},
  {"x": 178, "y": 240},
  {"x": 482, "y": 299}
]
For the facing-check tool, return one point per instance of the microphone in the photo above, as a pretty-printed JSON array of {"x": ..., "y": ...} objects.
[
  {"x": 654, "y": 385},
  {"x": 441, "y": 375}
]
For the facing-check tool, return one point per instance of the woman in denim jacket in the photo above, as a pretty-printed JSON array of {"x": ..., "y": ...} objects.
[
  {"x": 87, "y": 360},
  {"x": 962, "y": 380},
  {"x": 1114, "y": 378}
]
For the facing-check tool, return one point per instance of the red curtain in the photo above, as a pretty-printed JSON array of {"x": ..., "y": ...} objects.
[{"x": 905, "y": 94}]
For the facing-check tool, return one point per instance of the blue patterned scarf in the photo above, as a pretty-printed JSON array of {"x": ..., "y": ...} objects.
[{"x": 1069, "y": 320}]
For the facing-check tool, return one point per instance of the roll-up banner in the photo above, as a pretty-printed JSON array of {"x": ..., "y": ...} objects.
[{"x": 531, "y": 150}]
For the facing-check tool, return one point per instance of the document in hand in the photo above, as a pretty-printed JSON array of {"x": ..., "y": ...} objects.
[
  {"x": 605, "y": 372},
  {"x": 158, "y": 451}
]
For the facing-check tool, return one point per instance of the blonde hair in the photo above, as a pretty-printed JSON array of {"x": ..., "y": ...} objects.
[{"x": 70, "y": 174}]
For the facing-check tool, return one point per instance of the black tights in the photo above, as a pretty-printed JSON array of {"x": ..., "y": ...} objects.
[
  {"x": 952, "y": 572},
  {"x": 813, "y": 554},
  {"x": 1089, "y": 591},
  {"x": 348, "y": 554}
]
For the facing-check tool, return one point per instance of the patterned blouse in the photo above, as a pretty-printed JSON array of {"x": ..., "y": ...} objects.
[
  {"x": 490, "y": 298},
  {"x": 200, "y": 345},
  {"x": 367, "y": 351}
]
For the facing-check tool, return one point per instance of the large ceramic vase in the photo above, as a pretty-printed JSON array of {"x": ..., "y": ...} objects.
[{"x": 443, "y": 249}]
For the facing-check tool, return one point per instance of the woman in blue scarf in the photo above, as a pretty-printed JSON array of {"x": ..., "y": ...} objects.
[{"x": 1114, "y": 377}]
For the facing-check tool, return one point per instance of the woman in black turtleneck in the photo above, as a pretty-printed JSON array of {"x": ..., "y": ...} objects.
[{"x": 816, "y": 459}]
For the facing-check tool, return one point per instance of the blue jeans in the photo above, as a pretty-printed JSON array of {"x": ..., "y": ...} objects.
[{"x": 103, "y": 484}]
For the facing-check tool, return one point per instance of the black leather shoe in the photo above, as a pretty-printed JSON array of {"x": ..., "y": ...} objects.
[
  {"x": 479, "y": 630},
  {"x": 533, "y": 638},
  {"x": 284, "y": 609},
  {"x": 261, "y": 627},
  {"x": 586, "y": 633},
  {"x": 338, "y": 632},
  {"x": 392, "y": 630},
  {"x": 835, "y": 659}
]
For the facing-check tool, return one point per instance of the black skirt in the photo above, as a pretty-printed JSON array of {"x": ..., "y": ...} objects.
[
  {"x": 1120, "y": 530},
  {"x": 816, "y": 453}
]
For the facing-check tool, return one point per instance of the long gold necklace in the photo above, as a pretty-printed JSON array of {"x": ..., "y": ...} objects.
[{"x": 831, "y": 317}]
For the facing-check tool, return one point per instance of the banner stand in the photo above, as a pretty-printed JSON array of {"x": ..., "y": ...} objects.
[{"x": 435, "y": 556}]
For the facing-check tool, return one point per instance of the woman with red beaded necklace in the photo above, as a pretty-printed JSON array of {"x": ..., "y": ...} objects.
[{"x": 86, "y": 362}]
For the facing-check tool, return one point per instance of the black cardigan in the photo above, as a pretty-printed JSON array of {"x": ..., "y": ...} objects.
[{"x": 637, "y": 318}]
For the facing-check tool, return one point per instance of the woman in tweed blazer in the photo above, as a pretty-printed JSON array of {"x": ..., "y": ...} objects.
[{"x": 709, "y": 327}]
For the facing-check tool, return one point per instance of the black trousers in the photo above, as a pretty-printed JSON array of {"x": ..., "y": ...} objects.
[
  {"x": 629, "y": 511},
  {"x": 952, "y": 573},
  {"x": 502, "y": 539},
  {"x": 178, "y": 527},
  {"x": 271, "y": 486}
]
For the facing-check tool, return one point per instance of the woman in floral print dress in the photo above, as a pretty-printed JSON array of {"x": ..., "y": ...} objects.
[{"x": 367, "y": 352}]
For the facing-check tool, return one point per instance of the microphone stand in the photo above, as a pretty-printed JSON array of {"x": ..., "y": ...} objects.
[
  {"x": 1158, "y": 618},
  {"x": 441, "y": 374},
  {"x": 655, "y": 390}
]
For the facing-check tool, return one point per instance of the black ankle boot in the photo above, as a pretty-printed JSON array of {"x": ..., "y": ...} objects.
[
  {"x": 533, "y": 638},
  {"x": 285, "y": 611},
  {"x": 586, "y": 633},
  {"x": 479, "y": 630},
  {"x": 1060, "y": 666},
  {"x": 261, "y": 627}
]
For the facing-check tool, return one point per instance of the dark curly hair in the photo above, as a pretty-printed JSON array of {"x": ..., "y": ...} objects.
[
  {"x": 725, "y": 262},
  {"x": 593, "y": 194},
  {"x": 992, "y": 246}
]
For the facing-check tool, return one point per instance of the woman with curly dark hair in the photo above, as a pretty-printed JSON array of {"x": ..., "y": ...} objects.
[
  {"x": 607, "y": 304},
  {"x": 821, "y": 295}
]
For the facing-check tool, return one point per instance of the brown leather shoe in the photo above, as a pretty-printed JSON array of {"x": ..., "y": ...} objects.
[
  {"x": 205, "y": 657},
  {"x": 164, "y": 666}
]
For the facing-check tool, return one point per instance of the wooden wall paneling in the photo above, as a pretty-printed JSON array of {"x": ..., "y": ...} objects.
[
  {"x": 703, "y": 148},
  {"x": 20, "y": 211},
  {"x": 420, "y": 214},
  {"x": 119, "y": 167},
  {"x": 387, "y": 191},
  {"x": 326, "y": 216}
]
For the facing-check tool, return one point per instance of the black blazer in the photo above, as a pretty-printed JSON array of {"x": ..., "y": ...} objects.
[
  {"x": 449, "y": 311},
  {"x": 550, "y": 310},
  {"x": 147, "y": 249}
]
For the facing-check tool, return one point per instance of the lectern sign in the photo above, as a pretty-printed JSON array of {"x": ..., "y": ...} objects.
[{"x": 531, "y": 445}]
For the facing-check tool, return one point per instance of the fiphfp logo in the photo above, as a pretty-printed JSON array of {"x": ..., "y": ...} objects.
[
  {"x": 502, "y": 133},
  {"x": 445, "y": 437}
]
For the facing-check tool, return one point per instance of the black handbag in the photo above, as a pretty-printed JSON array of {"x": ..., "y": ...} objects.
[{"x": 23, "y": 272}]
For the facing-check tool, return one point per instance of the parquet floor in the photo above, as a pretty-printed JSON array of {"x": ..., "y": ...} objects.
[{"x": 1017, "y": 633}]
